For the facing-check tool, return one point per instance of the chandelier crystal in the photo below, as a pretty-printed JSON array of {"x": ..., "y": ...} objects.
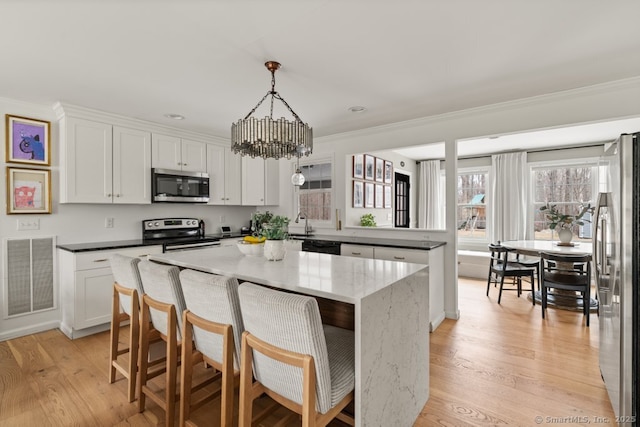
[{"x": 269, "y": 138}]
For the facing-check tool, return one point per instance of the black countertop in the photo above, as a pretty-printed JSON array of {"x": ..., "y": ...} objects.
[
  {"x": 374, "y": 241},
  {"x": 354, "y": 240},
  {"x": 121, "y": 244}
]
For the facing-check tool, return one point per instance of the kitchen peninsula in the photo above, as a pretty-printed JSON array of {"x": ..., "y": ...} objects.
[{"x": 391, "y": 318}]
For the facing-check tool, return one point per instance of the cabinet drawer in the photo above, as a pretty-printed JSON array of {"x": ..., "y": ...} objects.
[
  {"x": 356, "y": 250},
  {"x": 404, "y": 255},
  {"x": 100, "y": 259}
]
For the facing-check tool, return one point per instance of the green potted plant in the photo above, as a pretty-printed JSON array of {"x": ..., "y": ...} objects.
[
  {"x": 368, "y": 220},
  {"x": 258, "y": 220},
  {"x": 564, "y": 223},
  {"x": 276, "y": 231}
]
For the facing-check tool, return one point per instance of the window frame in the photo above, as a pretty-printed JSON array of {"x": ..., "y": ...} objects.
[
  {"x": 475, "y": 241},
  {"x": 592, "y": 162},
  {"x": 306, "y": 161}
]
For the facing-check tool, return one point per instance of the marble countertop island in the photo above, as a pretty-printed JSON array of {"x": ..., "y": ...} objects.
[{"x": 391, "y": 318}]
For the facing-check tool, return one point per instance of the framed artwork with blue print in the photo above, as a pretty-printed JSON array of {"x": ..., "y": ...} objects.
[{"x": 28, "y": 140}]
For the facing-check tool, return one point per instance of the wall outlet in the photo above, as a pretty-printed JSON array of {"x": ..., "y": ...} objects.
[
  {"x": 389, "y": 217},
  {"x": 108, "y": 223},
  {"x": 28, "y": 224},
  {"x": 223, "y": 219}
]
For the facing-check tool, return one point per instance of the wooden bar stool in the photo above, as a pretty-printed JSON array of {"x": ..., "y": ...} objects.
[
  {"x": 160, "y": 304},
  {"x": 303, "y": 365},
  {"x": 127, "y": 289},
  {"x": 212, "y": 333}
]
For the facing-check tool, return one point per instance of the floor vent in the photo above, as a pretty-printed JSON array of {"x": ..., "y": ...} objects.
[{"x": 29, "y": 275}]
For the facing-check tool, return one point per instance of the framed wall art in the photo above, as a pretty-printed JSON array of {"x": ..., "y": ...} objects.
[
  {"x": 379, "y": 169},
  {"x": 358, "y": 166},
  {"x": 28, "y": 191},
  {"x": 388, "y": 172},
  {"x": 369, "y": 197},
  {"x": 369, "y": 167},
  {"x": 379, "y": 202},
  {"x": 28, "y": 140},
  {"x": 387, "y": 197},
  {"x": 358, "y": 194}
]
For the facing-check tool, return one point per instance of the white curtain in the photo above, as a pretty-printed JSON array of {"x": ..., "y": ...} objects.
[
  {"x": 431, "y": 201},
  {"x": 508, "y": 196}
]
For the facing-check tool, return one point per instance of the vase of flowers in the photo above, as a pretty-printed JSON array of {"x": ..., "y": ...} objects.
[
  {"x": 276, "y": 231},
  {"x": 564, "y": 223}
]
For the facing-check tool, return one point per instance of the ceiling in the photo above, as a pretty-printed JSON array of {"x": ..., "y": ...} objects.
[{"x": 401, "y": 60}]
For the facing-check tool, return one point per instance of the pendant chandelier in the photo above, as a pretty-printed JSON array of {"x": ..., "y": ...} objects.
[{"x": 269, "y": 138}]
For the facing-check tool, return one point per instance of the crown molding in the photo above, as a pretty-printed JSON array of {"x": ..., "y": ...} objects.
[
  {"x": 538, "y": 100},
  {"x": 69, "y": 110}
]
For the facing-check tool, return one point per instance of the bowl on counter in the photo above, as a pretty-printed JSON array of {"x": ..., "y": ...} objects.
[{"x": 251, "y": 249}]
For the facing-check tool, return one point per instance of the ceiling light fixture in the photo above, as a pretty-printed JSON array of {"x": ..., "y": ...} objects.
[
  {"x": 268, "y": 137},
  {"x": 174, "y": 116}
]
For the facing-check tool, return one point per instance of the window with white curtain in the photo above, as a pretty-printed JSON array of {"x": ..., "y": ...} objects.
[
  {"x": 567, "y": 185},
  {"x": 315, "y": 196},
  {"x": 471, "y": 218}
]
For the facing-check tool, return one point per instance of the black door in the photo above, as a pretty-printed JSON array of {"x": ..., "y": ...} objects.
[{"x": 402, "y": 201}]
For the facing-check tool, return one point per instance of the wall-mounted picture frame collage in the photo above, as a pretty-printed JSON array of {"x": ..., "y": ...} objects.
[
  {"x": 372, "y": 182},
  {"x": 28, "y": 143}
]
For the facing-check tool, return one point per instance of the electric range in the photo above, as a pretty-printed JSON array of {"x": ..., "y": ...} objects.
[{"x": 177, "y": 234}]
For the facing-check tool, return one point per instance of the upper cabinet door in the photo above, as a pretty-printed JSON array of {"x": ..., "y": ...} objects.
[
  {"x": 215, "y": 169},
  {"x": 166, "y": 152},
  {"x": 233, "y": 177},
  {"x": 131, "y": 166},
  {"x": 194, "y": 156},
  {"x": 86, "y": 161},
  {"x": 253, "y": 181}
]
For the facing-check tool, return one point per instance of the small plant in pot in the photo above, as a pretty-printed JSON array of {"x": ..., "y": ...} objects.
[
  {"x": 258, "y": 220},
  {"x": 368, "y": 220},
  {"x": 276, "y": 231},
  {"x": 564, "y": 223}
]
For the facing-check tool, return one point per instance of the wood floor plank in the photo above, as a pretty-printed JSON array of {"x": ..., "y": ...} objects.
[{"x": 497, "y": 365}]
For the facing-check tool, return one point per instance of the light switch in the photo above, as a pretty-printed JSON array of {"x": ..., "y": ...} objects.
[{"x": 28, "y": 224}]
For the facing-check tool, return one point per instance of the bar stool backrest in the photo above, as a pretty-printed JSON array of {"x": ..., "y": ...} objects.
[{"x": 126, "y": 274}]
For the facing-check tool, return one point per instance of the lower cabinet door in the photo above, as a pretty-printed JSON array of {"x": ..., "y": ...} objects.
[{"x": 94, "y": 294}]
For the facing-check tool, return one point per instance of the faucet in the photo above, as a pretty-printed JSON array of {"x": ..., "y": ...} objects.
[{"x": 307, "y": 227}]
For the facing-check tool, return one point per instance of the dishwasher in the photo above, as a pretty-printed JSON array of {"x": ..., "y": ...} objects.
[{"x": 321, "y": 246}]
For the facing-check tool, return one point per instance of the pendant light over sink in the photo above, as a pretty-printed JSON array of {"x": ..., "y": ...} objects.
[{"x": 269, "y": 138}]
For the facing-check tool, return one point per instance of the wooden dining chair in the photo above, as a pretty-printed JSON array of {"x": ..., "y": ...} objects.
[
  {"x": 303, "y": 365},
  {"x": 566, "y": 273},
  {"x": 500, "y": 267}
]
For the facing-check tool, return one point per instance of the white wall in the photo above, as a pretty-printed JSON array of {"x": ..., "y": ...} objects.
[
  {"x": 615, "y": 100},
  {"x": 79, "y": 223}
]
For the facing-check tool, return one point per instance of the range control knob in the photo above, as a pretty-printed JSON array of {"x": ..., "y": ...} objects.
[
  {"x": 156, "y": 224},
  {"x": 149, "y": 224}
]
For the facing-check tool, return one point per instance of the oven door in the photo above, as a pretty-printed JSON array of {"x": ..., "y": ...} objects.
[{"x": 178, "y": 186}]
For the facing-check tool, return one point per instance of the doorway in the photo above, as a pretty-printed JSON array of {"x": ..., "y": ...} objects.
[{"x": 402, "y": 202}]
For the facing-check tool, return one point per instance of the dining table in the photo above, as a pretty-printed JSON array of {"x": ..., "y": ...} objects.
[{"x": 564, "y": 300}]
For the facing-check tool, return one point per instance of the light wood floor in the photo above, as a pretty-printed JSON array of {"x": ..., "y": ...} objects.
[{"x": 496, "y": 365}]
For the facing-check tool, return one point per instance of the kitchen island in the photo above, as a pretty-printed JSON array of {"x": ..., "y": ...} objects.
[{"x": 391, "y": 318}]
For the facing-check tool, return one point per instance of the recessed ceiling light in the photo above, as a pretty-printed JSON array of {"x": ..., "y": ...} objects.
[
  {"x": 174, "y": 116},
  {"x": 357, "y": 109}
]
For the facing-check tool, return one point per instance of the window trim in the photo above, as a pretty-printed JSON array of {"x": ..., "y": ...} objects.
[
  {"x": 592, "y": 162},
  {"x": 306, "y": 161},
  {"x": 472, "y": 241}
]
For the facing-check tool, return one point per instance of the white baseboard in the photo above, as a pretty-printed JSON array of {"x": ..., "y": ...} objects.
[
  {"x": 28, "y": 330},
  {"x": 433, "y": 325}
]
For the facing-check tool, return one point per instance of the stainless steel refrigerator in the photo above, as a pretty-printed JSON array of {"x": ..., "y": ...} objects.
[{"x": 616, "y": 254}]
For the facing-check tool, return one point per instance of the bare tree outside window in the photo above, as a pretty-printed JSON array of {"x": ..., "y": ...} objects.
[{"x": 568, "y": 188}]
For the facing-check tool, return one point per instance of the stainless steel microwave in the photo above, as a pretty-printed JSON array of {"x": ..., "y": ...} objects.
[{"x": 179, "y": 186}]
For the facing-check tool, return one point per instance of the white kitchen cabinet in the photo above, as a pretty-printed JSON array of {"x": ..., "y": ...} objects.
[
  {"x": 86, "y": 288},
  {"x": 225, "y": 175},
  {"x": 170, "y": 152},
  {"x": 101, "y": 163},
  {"x": 359, "y": 251},
  {"x": 260, "y": 182}
]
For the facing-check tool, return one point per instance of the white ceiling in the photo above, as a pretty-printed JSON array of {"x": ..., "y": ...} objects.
[{"x": 401, "y": 59}]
